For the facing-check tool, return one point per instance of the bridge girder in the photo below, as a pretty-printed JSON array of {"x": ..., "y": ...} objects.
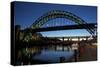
[{"x": 60, "y": 14}]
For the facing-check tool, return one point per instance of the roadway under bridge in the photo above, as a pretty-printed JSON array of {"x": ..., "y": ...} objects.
[{"x": 78, "y": 38}]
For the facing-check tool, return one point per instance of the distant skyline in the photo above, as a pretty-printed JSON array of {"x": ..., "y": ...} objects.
[{"x": 26, "y": 13}]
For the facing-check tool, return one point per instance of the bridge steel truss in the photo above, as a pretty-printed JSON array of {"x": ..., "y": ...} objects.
[{"x": 61, "y": 14}]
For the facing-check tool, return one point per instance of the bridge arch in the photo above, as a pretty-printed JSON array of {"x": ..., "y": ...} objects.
[{"x": 59, "y": 14}]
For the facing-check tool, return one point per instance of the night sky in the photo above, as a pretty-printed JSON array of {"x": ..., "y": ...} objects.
[{"x": 26, "y": 13}]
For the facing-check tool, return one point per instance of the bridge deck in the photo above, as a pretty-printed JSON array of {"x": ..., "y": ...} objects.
[{"x": 68, "y": 27}]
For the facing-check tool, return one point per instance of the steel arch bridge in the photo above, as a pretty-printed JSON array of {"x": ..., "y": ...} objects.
[{"x": 60, "y": 14}]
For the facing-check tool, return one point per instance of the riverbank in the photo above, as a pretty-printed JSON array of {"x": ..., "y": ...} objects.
[{"x": 89, "y": 54}]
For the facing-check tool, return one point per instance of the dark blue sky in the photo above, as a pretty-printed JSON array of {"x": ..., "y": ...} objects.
[{"x": 26, "y": 13}]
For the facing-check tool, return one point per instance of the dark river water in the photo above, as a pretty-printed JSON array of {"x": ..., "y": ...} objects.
[{"x": 50, "y": 54}]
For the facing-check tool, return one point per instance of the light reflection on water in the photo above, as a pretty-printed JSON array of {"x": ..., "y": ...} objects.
[
  {"x": 50, "y": 53},
  {"x": 54, "y": 56}
]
